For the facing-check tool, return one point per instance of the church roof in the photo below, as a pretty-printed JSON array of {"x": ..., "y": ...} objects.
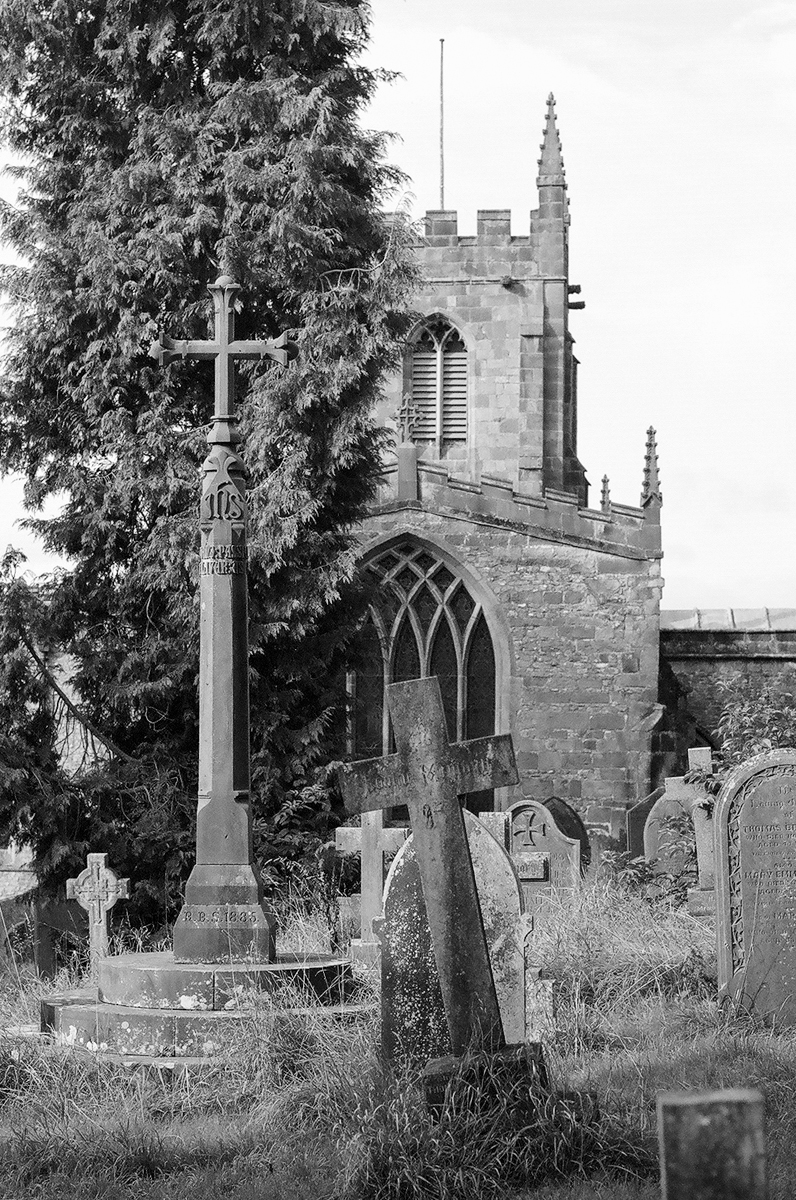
[{"x": 741, "y": 620}]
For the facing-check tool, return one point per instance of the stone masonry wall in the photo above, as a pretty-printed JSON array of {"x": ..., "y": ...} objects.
[
  {"x": 492, "y": 290},
  {"x": 703, "y": 659},
  {"x": 579, "y": 629}
]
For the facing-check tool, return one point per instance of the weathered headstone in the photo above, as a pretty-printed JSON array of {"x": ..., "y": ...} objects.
[
  {"x": 96, "y": 890},
  {"x": 51, "y": 920},
  {"x": 428, "y": 774},
  {"x": 545, "y": 858},
  {"x": 712, "y": 1145},
  {"x": 635, "y": 820},
  {"x": 374, "y": 841},
  {"x": 570, "y": 822},
  {"x": 702, "y": 898},
  {"x": 414, "y": 1025},
  {"x": 755, "y": 831},
  {"x": 223, "y": 918}
]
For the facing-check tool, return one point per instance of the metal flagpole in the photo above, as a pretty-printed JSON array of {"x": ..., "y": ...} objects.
[{"x": 441, "y": 125}]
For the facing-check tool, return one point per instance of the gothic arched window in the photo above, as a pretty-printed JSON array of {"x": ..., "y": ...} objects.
[
  {"x": 438, "y": 360},
  {"x": 424, "y": 621}
]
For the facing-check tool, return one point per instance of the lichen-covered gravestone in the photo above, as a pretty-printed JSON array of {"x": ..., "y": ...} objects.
[
  {"x": 414, "y": 1024},
  {"x": 755, "y": 828}
]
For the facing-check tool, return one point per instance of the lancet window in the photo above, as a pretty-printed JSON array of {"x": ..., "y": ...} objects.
[
  {"x": 424, "y": 621},
  {"x": 438, "y": 364}
]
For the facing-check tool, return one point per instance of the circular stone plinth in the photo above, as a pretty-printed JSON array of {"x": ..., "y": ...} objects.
[{"x": 156, "y": 981}]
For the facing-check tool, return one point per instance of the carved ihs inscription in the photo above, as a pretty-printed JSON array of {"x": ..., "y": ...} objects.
[{"x": 222, "y": 496}]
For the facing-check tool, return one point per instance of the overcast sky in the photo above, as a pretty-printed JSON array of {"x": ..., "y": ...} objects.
[{"x": 678, "y": 122}]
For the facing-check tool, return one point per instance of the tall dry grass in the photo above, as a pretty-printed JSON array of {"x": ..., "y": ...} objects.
[{"x": 303, "y": 1108}]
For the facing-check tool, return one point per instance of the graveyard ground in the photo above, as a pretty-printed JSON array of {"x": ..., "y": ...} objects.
[{"x": 300, "y": 1111}]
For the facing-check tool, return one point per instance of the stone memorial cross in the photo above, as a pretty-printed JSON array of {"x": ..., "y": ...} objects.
[
  {"x": 96, "y": 890},
  {"x": 428, "y": 774},
  {"x": 223, "y": 919},
  {"x": 373, "y": 840}
]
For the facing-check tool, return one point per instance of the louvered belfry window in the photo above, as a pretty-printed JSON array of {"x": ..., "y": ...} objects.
[
  {"x": 424, "y": 621},
  {"x": 439, "y": 384}
]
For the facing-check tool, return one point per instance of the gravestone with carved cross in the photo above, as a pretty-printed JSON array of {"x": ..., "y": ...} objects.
[
  {"x": 428, "y": 774},
  {"x": 96, "y": 890},
  {"x": 223, "y": 918},
  {"x": 546, "y": 859}
]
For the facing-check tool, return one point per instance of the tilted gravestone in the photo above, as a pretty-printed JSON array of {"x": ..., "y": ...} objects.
[
  {"x": 428, "y": 774},
  {"x": 755, "y": 832},
  {"x": 414, "y": 1025}
]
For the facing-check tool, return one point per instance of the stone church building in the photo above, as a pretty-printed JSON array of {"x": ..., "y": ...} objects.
[{"x": 537, "y": 606}]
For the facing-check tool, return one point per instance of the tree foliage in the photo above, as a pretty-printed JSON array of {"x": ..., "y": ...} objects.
[
  {"x": 754, "y": 719},
  {"x": 158, "y": 142}
]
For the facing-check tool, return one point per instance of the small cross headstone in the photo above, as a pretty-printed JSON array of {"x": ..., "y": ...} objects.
[
  {"x": 374, "y": 841},
  {"x": 428, "y": 774},
  {"x": 755, "y": 832},
  {"x": 712, "y": 1145},
  {"x": 96, "y": 890}
]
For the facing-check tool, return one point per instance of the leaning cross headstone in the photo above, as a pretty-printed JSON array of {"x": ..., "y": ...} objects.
[
  {"x": 374, "y": 840},
  {"x": 223, "y": 918},
  {"x": 712, "y": 1145},
  {"x": 96, "y": 890},
  {"x": 755, "y": 832},
  {"x": 428, "y": 775}
]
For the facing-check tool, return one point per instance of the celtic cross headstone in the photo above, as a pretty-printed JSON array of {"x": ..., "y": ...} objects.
[
  {"x": 96, "y": 889},
  {"x": 223, "y": 918}
]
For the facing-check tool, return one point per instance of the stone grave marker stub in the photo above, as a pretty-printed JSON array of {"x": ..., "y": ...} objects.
[
  {"x": 755, "y": 831},
  {"x": 712, "y": 1145},
  {"x": 96, "y": 889},
  {"x": 428, "y": 774},
  {"x": 413, "y": 1013}
]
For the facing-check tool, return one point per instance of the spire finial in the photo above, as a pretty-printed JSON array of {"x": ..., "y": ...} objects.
[
  {"x": 651, "y": 494},
  {"x": 551, "y": 164},
  {"x": 605, "y": 497}
]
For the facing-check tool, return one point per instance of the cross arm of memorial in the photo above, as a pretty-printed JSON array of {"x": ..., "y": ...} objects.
[
  {"x": 474, "y": 766},
  {"x": 224, "y": 348}
]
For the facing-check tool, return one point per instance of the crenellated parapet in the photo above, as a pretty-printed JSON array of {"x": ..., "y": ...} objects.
[{"x": 616, "y": 529}]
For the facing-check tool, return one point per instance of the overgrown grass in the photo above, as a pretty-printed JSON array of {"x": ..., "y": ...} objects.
[{"x": 302, "y": 1108}]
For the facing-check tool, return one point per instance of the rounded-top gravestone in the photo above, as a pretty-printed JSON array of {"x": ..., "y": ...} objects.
[{"x": 755, "y": 830}]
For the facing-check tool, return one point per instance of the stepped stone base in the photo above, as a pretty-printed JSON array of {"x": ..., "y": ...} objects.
[{"x": 149, "y": 1006}]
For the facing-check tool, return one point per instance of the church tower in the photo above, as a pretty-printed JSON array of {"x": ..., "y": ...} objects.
[{"x": 538, "y": 613}]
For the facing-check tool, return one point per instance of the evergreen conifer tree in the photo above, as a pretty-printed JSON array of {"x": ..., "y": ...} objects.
[{"x": 159, "y": 141}]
